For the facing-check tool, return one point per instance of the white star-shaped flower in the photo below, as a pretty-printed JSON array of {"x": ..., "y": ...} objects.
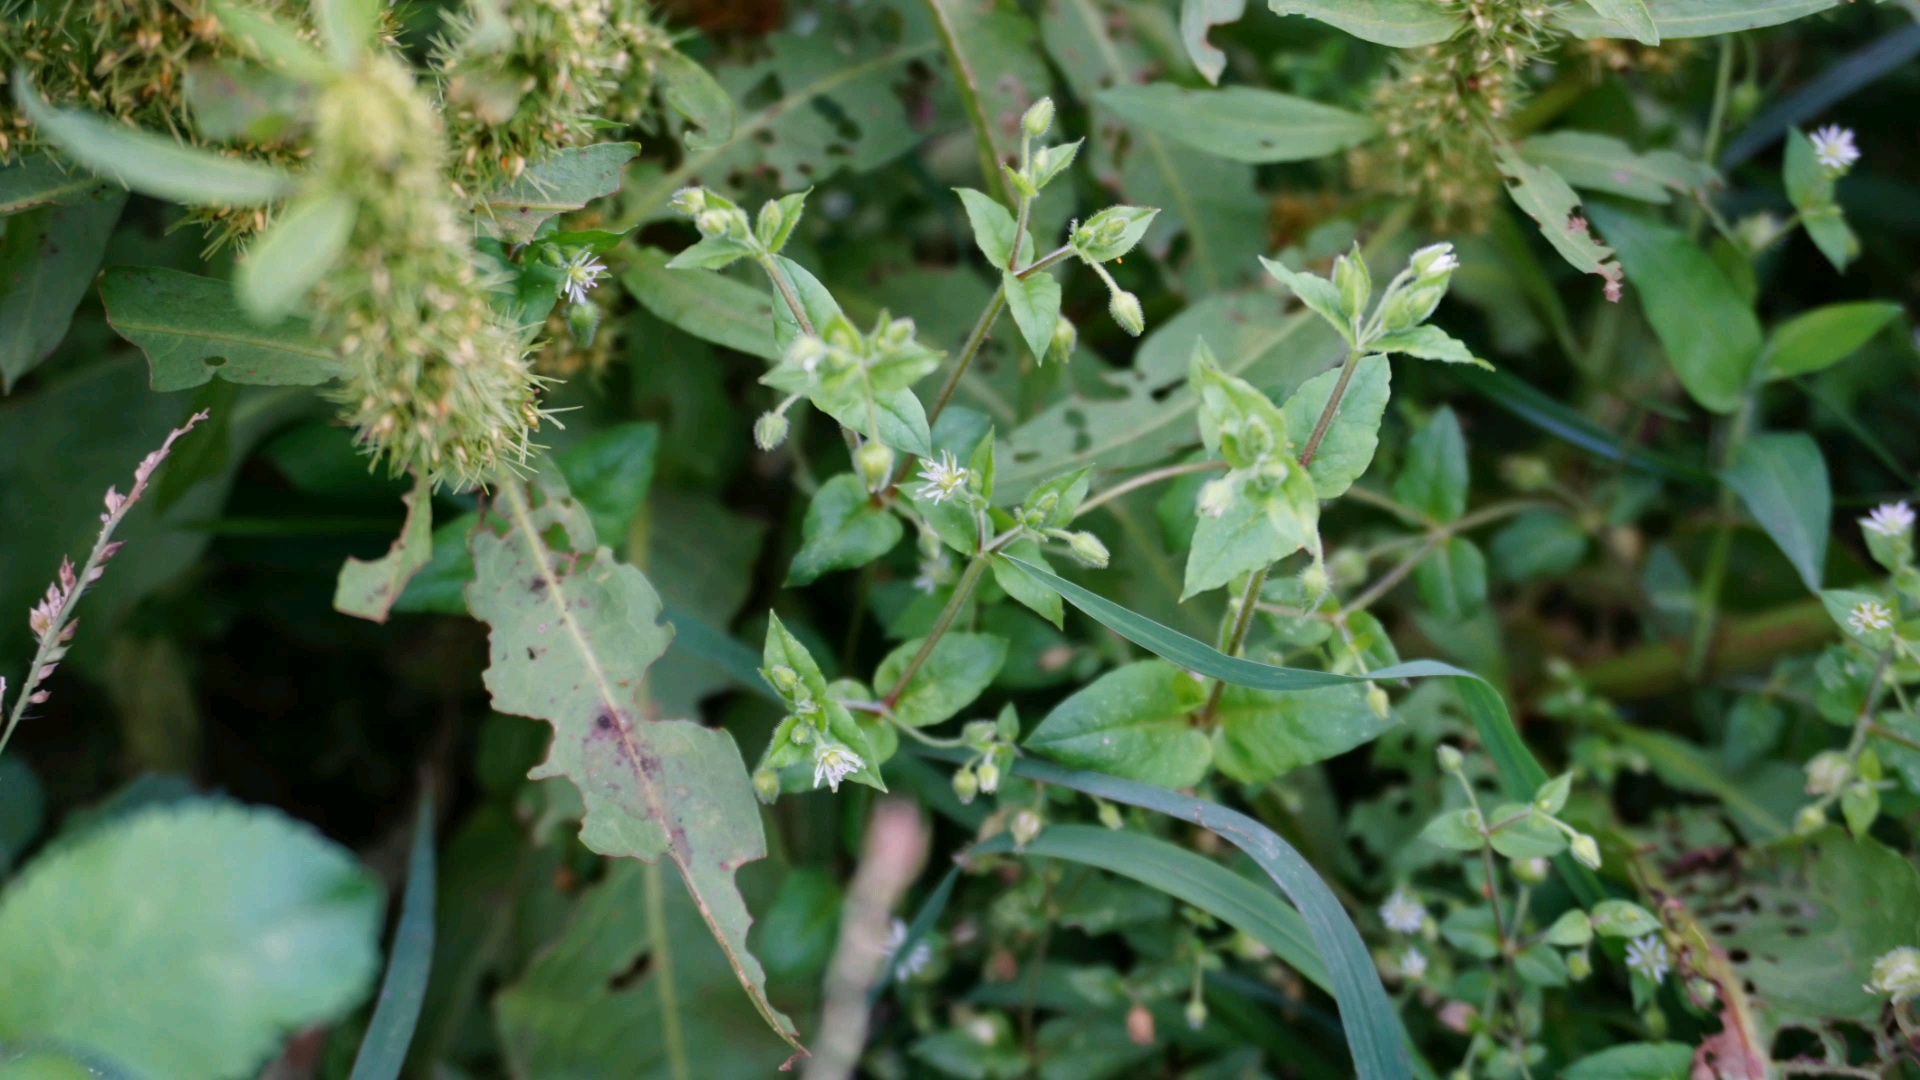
[
  {"x": 1413, "y": 964},
  {"x": 1403, "y": 913},
  {"x": 1833, "y": 147},
  {"x": 833, "y": 763},
  {"x": 1648, "y": 957},
  {"x": 917, "y": 958},
  {"x": 581, "y": 274},
  {"x": 1897, "y": 973},
  {"x": 1889, "y": 519},
  {"x": 942, "y": 478},
  {"x": 1868, "y": 616}
]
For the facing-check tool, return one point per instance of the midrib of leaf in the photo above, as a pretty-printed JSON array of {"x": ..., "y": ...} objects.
[
  {"x": 764, "y": 119},
  {"x": 516, "y": 499},
  {"x": 127, "y": 325},
  {"x": 1151, "y": 139}
]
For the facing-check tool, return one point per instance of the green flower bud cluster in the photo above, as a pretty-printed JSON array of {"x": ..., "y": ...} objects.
[
  {"x": 436, "y": 380},
  {"x": 726, "y": 234},
  {"x": 1104, "y": 237},
  {"x": 1038, "y": 167},
  {"x": 818, "y": 729},
  {"x": 1445, "y": 107},
  {"x": 991, "y": 745}
]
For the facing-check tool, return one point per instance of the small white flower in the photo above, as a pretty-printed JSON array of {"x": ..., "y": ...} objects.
[
  {"x": 1833, "y": 147},
  {"x": 1889, "y": 519},
  {"x": 934, "y": 572},
  {"x": 1868, "y": 616},
  {"x": 833, "y": 762},
  {"x": 942, "y": 478},
  {"x": 1648, "y": 957},
  {"x": 1897, "y": 973},
  {"x": 1827, "y": 772},
  {"x": 917, "y": 958},
  {"x": 1403, "y": 913},
  {"x": 581, "y": 274},
  {"x": 1413, "y": 964}
]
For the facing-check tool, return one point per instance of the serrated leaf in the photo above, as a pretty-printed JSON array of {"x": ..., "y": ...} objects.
[
  {"x": 710, "y": 306},
  {"x": 48, "y": 257},
  {"x": 565, "y": 180},
  {"x": 1133, "y": 722},
  {"x": 958, "y": 670},
  {"x": 1241, "y": 123},
  {"x": 232, "y": 927},
  {"x": 1347, "y": 448},
  {"x": 151, "y": 164},
  {"x": 1707, "y": 329},
  {"x": 1035, "y": 305},
  {"x": 192, "y": 329},
  {"x": 843, "y": 530},
  {"x": 1782, "y": 478},
  {"x": 1403, "y": 24},
  {"x": 367, "y": 590},
  {"x": 572, "y": 635}
]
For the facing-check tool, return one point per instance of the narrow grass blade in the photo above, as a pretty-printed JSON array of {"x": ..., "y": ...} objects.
[
  {"x": 930, "y": 911},
  {"x": 390, "y": 1031}
]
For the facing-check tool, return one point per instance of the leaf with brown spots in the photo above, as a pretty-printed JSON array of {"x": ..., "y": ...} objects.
[
  {"x": 573, "y": 633},
  {"x": 367, "y": 590}
]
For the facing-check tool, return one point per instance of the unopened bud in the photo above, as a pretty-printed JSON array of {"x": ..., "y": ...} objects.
[
  {"x": 712, "y": 222},
  {"x": 770, "y": 430},
  {"x": 1060, "y": 347},
  {"x": 784, "y": 678},
  {"x": 1811, "y": 819},
  {"x": 1026, "y": 825},
  {"x": 1110, "y": 816},
  {"x": 965, "y": 784},
  {"x": 1087, "y": 548},
  {"x": 1125, "y": 309},
  {"x": 1527, "y": 473},
  {"x": 767, "y": 227},
  {"x": 1579, "y": 965},
  {"x": 1586, "y": 849},
  {"x": 806, "y": 352},
  {"x": 766, "y": 784},
  {"x": 1350, "y": 276},
  {"x": 1434, "y": 259},
  {"x": 1450, "y": 759},
  {"x": 1377, "y": 701},
  {"x": 582, "y": 321},
  {"x": 1315, "y": 581},
  {"x": 1215, "y": 497},
  {"x": 1196, "y": 1014},
  {"x": 989, "y": 775},
  {"x": 690, "y": 201},
  {"x": 1532, "y": 871},
  {"x": 1827, "y": 772},
  {"x": 1038, "y": 118},
  {"x": 875, "y": 462}
]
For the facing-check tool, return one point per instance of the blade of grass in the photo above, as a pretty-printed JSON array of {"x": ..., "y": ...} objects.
[
  {"x": 390, "y": 1031},
  {"x": 934, "y": 906}
]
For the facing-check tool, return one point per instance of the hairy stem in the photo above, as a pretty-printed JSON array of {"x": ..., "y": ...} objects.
[
  {"x": 961, "y": 590},
  {"x": 1333, "y": 406},
  {"x": 792, "y": 298},
  {"x": 1144, "y": 479},
  {"x": 1236, "y": 637},
  {"x": 975, "y": 338}
]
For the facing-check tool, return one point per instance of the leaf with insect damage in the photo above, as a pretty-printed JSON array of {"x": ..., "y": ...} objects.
[{"x": 573, "y": 633}]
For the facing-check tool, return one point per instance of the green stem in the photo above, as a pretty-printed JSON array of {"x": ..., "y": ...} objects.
[
  {"x": 1333, "y": 406},
  {"x": 792, "y": 298},
  {"x": 662, "y": 957},
  {"x": 961, "y": 590},
  {"x": 969, "y": 88},
  {"x": 1493, "y": 895},
  {"x": 1716, "y": 121},
  {"x": 1713, "y": 576},
  {"x": 1144, "y": 479},
  {"x": 975, "y": 338},
  {"x": 1242, "y": 622},
  {"x": 1046, "y": 261}
]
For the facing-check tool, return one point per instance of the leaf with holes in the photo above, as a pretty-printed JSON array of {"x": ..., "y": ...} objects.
[
  {"x": 367, "y": 590},
  {"x": 192, "y": 329},
  {"x": 572, "y": 635}
]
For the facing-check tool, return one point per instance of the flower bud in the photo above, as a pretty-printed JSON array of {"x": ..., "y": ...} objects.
[
  {"x": 1450, "y": 759},
  {"x": 1897, "y": 973},
  {"x": 767, "y": 228},
  {"x": 1531, "y": 871},
  {"x": 1350, "y": 276},
  {"x": 1215, "y": 497},
  {"x": 1378, "y": 701},
  {"x": 874, "y": 459},
  {"x": 784, "y": 678},
  {"x": 1827, "y": 772},
  {"x": 1140, "y": 1025},
  {"x": 712, "y": 222},
  {"x": 1110, "y": 816},
  {"x": 1579, "y": 965},
  {"x": 582, "y": 321},
  {"x": 690, "y": 201},
  {"x": 1586, "y": 850},
  {"x": 1315, "y": 581},
  {"x": 1087, "y": 548},
  {"x": 1196, "y": 1014},
  {"x": 806, "y": 352},
  {"x": 770, "y": 430},
  {"x": 1527, "y": 473},
  {"x": 766, "y": 784},
  {"x": 1433, "y": 260},
  {"x": 1060, "y": 347},
  {"x": 1811, "y": 819},
  {"x": 1125, "y": 309},
  {"x": 1038, "y": 118},
  {"x": 1409, "y": 307},
  {"x": 989, "y": 775},
  {"x": 1026, "y": 825},
  {"x": 965, "y": 784}
]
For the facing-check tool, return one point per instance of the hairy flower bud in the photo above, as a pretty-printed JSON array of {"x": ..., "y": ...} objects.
[
  {"x": 1579, "y": 964},
  {"x": 1038, "y": 118},
  {"x": 1060, "y": 347},
  {"x": 1087, "y": 548},
  {"x": 1827, "y": 772},
  {"x": 1450, "y": 759},
  {"x": 965, "y": 784},
  {"x": 1215, "y": 497},
  {"x": 1897, "y": 973},
  {"x": 1026, "y": 825},
  {"x": 1125, "y": 309},
  {"x": 770, "y": 430},
  {"x": 1196, "y": 1014},
  {"x": 1110, "y": 815},
  {"x": 1378, "y": 701},
  {"x": 691, "y": 201},
  {"x": 874, "y": 459},
  {"x": 712, "y": 222},
  {"x": 989, "y": 775},
  {"x": 583, "y": 320},
  {"x": 1811, "y": 819},
  {"x": 1350, "y": 276},
  {"x": 766, "y": 784},
  {"x": 1586, "y": 850}
]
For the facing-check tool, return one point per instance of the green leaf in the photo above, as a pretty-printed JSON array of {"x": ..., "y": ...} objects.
[
  {"x": 292, "y": 256},
  {"x": 48, "y": 257},
  {"x": 1548, "y": 199},
  {"x": 1403, "y": 24},
  {"x": 1035, "y": 305},
  {"x": 347, "y": 27},
  {"x": 1022, "y": 586},
  {"x": 1316, "y": 292},
  {"x": 572, "y": 635},
  {"x": 1549, "y": 415},
  {"x": 23, "y": 808},
  {"x": 1622, "y": 919},
  {"x": 1347, "y": 448},
  {"x": 1433, "y": 479},
  {"x": 993, "y": 228},
  {"x": 1783, "y": 480},
  {"x": 1536, "y": 544},
  {"x": 1635, "y": 1061},
  {"x": 610, "y": 472},
  {"x": 1570, "y": 930},
  {"x": 997, "y": 71},
  {"x": 1632, "y": 15},
  {"x": 148, "y": 163},
  {"x": 1818, "y": 339},
  {"x": 1525, "y": 835},
  {"x": 367, "y": 590},
  {"x": 1253, "y": 532},
  {"x": 1187, "y": 876},
  {"x": 565, "y": 180},
  {"x": 960, "y": 667},
  {"x": 192, "y": 329},
  {"x": 48, "y": 1065},
  {"x": 1452, "y": 582},
  {"x": 1196, "y": 18},
  {"x": 1427, "y": 343},
  {"x": 710, "y": 306},
  {"x": 1690, "y": 18},
  {"x": 187, "y": 941},
  {"x": 1263, "y": 734},
  {"x": 1241, "y": 123},
  {"x": 1604, "y": 163},
  {"x": 390, "y": 1030},
  {"x": 843, "y": 530},
  {"x": 1806, "y": 180},
  {"x": 697, "y": 97},
  {"x": 43, "y": 180},
  {"x": 1710, "y": 334},
  {"x": 1455, "y": 830},
  {"x": 815, "y": 299},
  {"x": 1134, "y": 721},
  {"x": 1828, "y": 229}
]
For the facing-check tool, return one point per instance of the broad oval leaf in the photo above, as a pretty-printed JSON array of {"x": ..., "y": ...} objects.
[
  {"x": 1687, "y": 18},
  {"x": 692, "y": 92},
  {"x": 1135, "y": 722},
  {"x": 708, "y": 305},
  {"x": 1621, "y": 918},
  {"x": 1821, "y": 338},
  {"x": 843, "y": 530},
  {"x": 960, "y": 667},
  {"x": 1264, "y": 733},
  {"x": 567, "y": 180},
  {"x": 1604, "y": 163},
  {"x": 1782, "y": 478},
  {"x": 1434, "y": 478},
  {"x": 1635, "y": 1061},
  {"x": 192, "y": 329},
  {"x": 1241, "y": 123},
  {"x": 1347, "y": 448}
]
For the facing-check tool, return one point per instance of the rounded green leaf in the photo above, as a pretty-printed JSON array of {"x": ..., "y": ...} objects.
[
  {"x": 1622, "y": 919},
  {"x": 1131, "y": 722},
  {"x": 955, "y": 673},
  {"x": 1456, "y": 830}
]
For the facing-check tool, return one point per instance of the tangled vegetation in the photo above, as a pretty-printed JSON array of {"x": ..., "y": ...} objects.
[{"x": 976, "y": 539}]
